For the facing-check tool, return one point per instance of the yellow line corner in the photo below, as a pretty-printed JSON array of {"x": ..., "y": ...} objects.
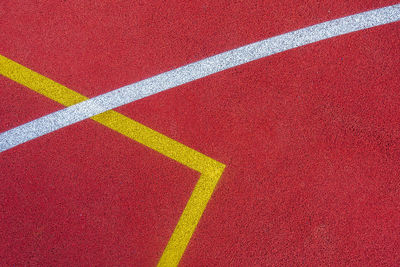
[{"x": 210, "y": 169}]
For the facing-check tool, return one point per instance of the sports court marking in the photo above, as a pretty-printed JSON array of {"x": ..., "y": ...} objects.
[
  {"x": 210, "y": 169},
  {"x": 100, "y": 108},
  {"x": 196, "y": 70}
]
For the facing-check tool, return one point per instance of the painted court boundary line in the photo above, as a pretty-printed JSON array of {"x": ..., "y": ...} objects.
[
  {"x": 210, "y": 169},
  {"x": 194, "y": 71},
  {"x": 99, "y": 108}
]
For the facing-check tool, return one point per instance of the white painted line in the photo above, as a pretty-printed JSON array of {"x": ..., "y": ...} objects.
[{"x": 194, "y": 71}]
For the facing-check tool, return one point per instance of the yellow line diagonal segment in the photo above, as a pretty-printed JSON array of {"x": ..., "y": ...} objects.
[{"x": 210, "y": 169}]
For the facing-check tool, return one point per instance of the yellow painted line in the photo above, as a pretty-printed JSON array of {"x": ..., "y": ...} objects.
[
  {"x": 210, "y": 169},
  {"x": 39, "y": 83}
]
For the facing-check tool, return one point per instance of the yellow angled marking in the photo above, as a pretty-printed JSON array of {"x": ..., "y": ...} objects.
[
  {"x": 189, "y": 218},
  {"x": 39, "y": 83},
  {"x": 210, "y": 169}
]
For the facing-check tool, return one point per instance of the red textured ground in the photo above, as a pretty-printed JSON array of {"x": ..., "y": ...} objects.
[{"x": 310, "y": 137}]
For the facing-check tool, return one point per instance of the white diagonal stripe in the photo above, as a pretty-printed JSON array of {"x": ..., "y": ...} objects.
[{"x": 194, "y": 71}]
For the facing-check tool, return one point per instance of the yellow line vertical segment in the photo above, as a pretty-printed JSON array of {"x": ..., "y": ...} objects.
[
  {"x": 190, "y": 218},
  {"x": 210, "y": 169}
]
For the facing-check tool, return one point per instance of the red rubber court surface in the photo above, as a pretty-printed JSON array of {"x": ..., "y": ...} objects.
[{"x": 310, "y": 137}]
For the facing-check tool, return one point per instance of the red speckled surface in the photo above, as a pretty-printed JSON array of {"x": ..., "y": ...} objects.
[{"x": 310, "y": 137}]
